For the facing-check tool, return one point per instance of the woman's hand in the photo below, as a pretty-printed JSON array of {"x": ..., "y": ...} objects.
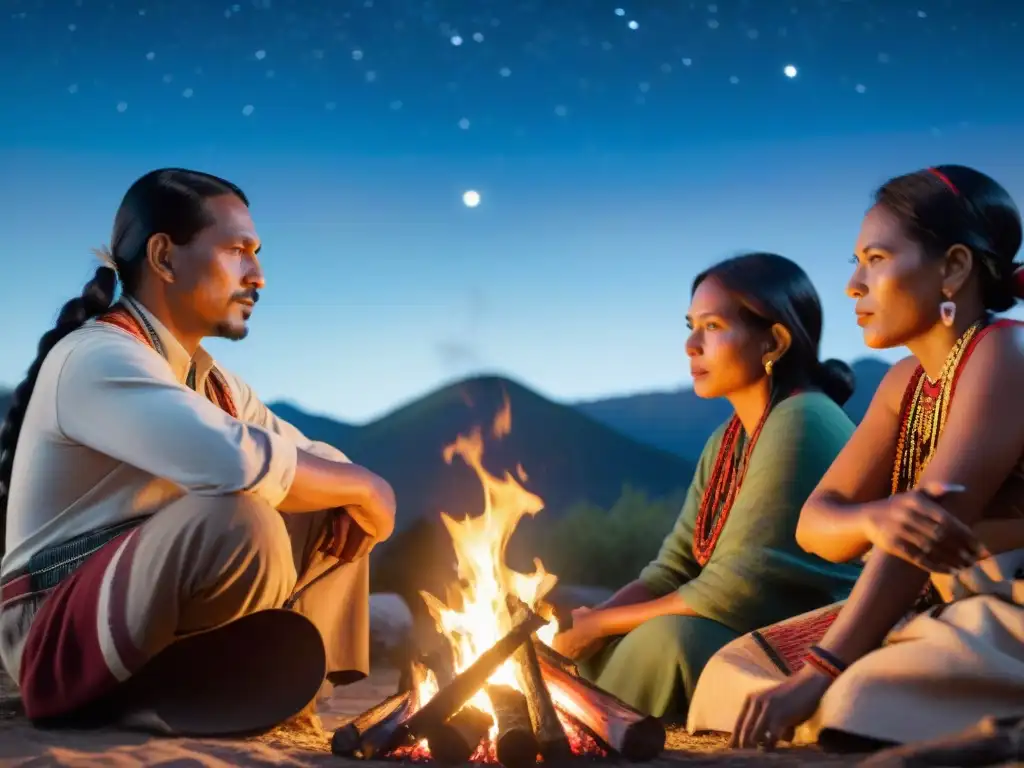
[
  {"x": 772, "y": 716},
  {"x": 582, "y": 638},
  {"x": 914, "y": 527}
]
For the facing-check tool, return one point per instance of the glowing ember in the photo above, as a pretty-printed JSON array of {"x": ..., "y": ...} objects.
[{"x": 582, "y": 743}]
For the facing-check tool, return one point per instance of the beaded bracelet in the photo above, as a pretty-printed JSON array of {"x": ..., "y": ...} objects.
[{"x": 825, "y": 662}]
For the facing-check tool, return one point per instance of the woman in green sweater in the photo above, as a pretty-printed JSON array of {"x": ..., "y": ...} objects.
[{"x": 731, "y": 563}]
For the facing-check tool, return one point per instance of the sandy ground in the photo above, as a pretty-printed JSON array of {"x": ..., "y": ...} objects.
[{"x": 23, "y": 745}]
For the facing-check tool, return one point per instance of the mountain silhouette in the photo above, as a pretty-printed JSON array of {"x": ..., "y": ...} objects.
[
  {"x": 565, "y": 456},
  {"x": 680, "y": 422},
  {"x": 555, "y": 451}
]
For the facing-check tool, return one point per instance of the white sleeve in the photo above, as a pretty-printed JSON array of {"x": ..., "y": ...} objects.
[
  {"x": 120, "y": 398},
  {"x": 252, "y": 410}
]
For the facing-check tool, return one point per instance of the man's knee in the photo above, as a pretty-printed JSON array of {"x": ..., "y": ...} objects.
[{"x": 244, "y": 539}]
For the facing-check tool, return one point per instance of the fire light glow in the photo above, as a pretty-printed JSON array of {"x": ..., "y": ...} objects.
[{"x": 478, "y": 615}]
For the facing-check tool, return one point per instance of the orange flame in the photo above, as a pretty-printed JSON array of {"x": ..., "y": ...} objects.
[
  {"x": 503, "y": 420},
  {"x": 485, "y": 582}
]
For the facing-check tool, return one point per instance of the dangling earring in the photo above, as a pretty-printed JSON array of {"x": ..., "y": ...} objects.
[
  {"x": 947, "y": 312},
  {"x": 768, "y": 367}
]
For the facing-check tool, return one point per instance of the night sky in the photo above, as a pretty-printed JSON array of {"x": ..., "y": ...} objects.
[{"x": 617, "y": 149}]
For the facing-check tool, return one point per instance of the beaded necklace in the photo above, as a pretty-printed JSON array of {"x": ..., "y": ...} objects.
[
  {"x": 924, "y": 411},
  {"x": 723, "y": 485}
]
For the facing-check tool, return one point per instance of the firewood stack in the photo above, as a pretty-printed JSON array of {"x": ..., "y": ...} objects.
[{"x": 529, "y": 725}]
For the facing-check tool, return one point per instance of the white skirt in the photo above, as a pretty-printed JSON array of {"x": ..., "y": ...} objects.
[{"x": 938, "y": 672}]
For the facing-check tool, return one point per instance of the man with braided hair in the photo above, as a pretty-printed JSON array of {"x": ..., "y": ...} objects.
[{"x": 176, "y": 555}]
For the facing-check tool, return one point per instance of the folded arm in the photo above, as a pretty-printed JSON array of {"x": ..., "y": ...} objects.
[
  {"x": 833, "y": 521},
  {"x": 120, "y": 398},
  {"x": 324, "y": 476},
  {"x": 981, "y": 445},
  {"x": 325, "y": 484}
]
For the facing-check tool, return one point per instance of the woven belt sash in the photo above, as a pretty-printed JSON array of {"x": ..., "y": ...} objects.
[{"x": 50, "y": 566}]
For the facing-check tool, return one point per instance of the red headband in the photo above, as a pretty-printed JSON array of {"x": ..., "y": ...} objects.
[
  {"x": 1018, "y": 275},
  {"x": 945, "y": 180}
]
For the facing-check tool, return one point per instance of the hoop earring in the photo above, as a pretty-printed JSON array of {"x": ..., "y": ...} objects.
[
  {"x": 947, "y": 312},
  {"x": 768, "y": 367}
]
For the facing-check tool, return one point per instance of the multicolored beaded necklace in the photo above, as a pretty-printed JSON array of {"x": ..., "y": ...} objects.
[
  {"x": 924, "y": 410},
  {"x": 723, "y": 485}
]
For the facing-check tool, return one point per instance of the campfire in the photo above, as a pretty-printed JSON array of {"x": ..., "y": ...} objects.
[{"x": 504, "y": 696}]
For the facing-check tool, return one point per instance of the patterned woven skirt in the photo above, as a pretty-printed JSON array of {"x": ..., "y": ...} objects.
[{"x": 938, "y": 672}]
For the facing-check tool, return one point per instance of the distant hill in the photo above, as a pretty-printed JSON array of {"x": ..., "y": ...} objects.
[
  {"x": 680, "y": 422},
  {"x": 323, "y": 429},
  {"x": 567, "y": 457}
]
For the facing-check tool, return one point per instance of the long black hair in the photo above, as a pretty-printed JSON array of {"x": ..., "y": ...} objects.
[
  {"x": 169, "y": 201},
  {"x": 955, "y": 205},
  {"x": 772, "y": 289}
]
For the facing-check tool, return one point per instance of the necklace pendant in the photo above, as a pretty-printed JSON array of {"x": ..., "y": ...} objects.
[{"x": 927, "y": 413}]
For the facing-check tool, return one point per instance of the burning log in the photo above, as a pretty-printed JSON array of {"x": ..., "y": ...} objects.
[
  {"x": 550, "y": 735},
  {"x": 516, "y": 745},
  {"x": 441, "y": 665},
  {"x": 453, "y": 696},
  {"x": 586, "y": 741},
  {"x": 553, "y": 658},
  {"x": 413, "y": 674},
  {"x": 623, "y": 729},
  {"x": 373, "y": 732},
  {"x": 454, "y": 742}
]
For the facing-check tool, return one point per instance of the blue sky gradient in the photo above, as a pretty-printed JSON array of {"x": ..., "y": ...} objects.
[{"x": 613, "y": 163}]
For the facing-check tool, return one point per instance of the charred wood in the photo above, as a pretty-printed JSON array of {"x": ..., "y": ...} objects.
[
  {"x": 516, "y": 745},
  {"x": 587, "y": 742},
  {"x": 451, "y": 698},
  {"x": 454, "y": 742},
  {"x": 551, "y": 738},
  {"x": 553, "y": 658},
  {"x": 371, "y": 733},
  {"x": 621, "y": 728}
]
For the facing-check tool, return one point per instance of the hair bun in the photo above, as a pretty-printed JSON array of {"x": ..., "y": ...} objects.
[
  {"x": 1018, "y": 281},
  {"x": 836, "y": 379}
]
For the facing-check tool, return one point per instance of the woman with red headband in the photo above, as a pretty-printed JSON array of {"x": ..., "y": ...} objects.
[{"x": 932, "y": 483}]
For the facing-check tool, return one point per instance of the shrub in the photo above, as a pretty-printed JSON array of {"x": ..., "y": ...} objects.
[{"x": 608, "y": 548}]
